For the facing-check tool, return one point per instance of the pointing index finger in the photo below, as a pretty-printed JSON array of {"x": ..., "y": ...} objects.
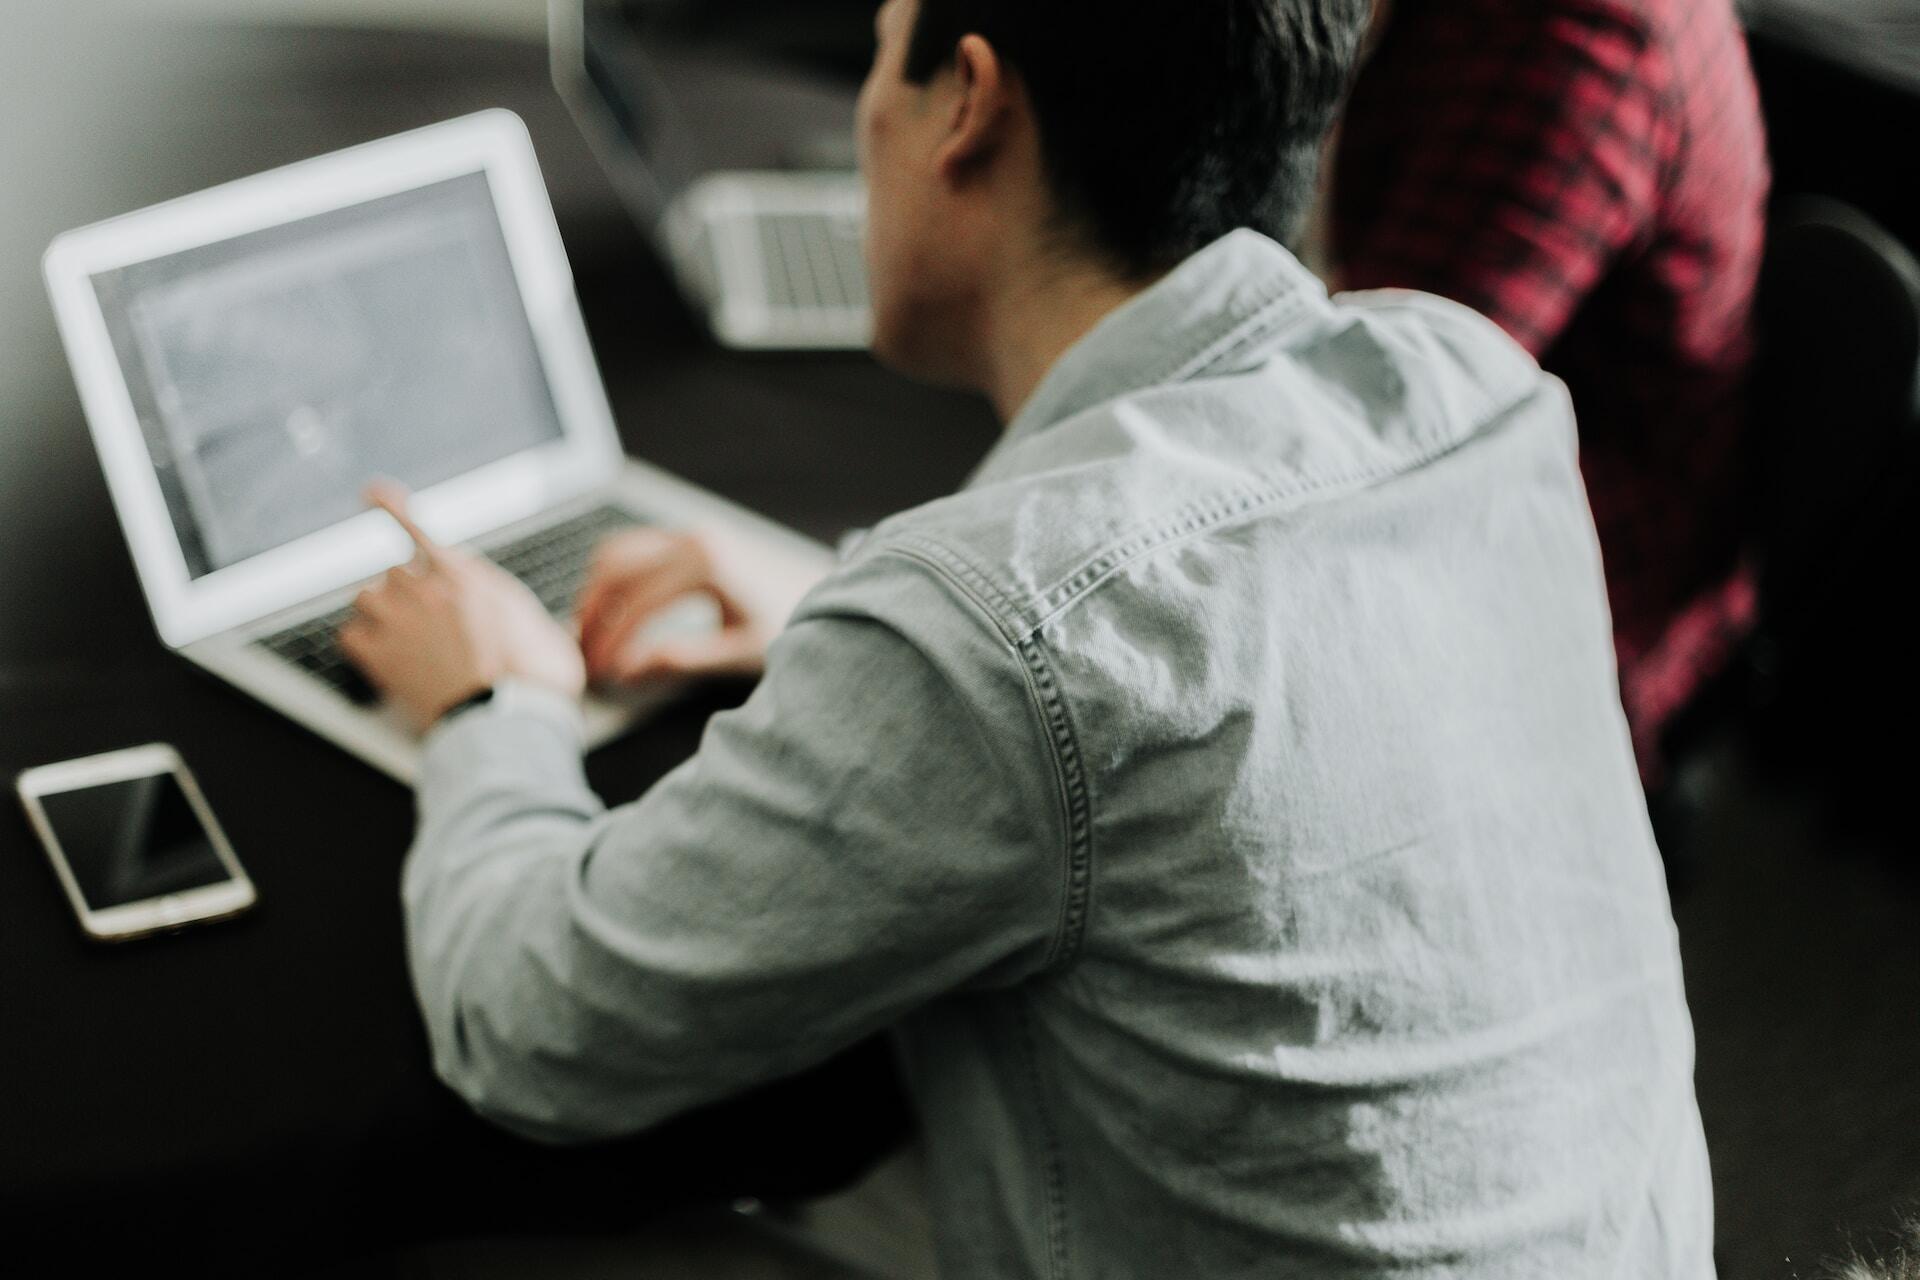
[{"x": 392, "y": 499}]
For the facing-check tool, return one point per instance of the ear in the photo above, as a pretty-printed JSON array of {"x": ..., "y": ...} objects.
[{"x": 982, "y": 109}]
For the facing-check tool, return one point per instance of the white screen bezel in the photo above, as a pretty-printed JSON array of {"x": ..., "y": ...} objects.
[
  {"x": 134, "y": 919},
  {"x": 586, "y": 456}
]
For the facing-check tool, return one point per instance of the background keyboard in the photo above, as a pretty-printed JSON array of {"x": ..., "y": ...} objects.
[
  {"x": 551, "y": 561},
  {"x": 813, "y": 260}
]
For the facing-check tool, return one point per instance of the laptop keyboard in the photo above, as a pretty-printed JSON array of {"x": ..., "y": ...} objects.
[
  {"x": 310, "y": 646},
  {"x": 551, "y": 561},
  {"x": 813, "y": 260},
  {"x": 554, "y": 561}
]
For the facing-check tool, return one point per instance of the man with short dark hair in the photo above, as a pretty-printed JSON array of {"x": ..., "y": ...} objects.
[{"x": 1224, "y": 797}]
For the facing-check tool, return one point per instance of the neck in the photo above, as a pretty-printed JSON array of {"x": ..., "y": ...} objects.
[{"x": 1035, "y": 319}]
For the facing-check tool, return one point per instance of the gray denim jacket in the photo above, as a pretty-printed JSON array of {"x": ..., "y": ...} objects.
[{"x": 1226, "y": 796}]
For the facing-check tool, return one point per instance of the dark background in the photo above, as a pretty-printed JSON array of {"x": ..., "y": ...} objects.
[{"x": 276, "y": 1063}]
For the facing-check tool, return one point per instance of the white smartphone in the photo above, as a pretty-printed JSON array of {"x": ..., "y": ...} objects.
[{"x": 134, "y": 843}]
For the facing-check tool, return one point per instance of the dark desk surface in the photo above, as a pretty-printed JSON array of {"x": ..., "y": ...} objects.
[{"x": 283, "y": 1049}]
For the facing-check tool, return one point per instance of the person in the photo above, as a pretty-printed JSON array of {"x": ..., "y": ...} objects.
[
  {"x": 1591, "y": 175},
  {"x": 1224, "y": 798},
  {"x": 1899, "y": 1262}
]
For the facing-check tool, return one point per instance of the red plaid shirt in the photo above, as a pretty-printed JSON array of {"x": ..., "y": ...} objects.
[{"x": 1592, "y": 175}]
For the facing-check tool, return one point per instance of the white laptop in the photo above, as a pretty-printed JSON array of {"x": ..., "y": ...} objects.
[
  {"x": 773, "y": 258},
  {"x": 250, "y": 357}
]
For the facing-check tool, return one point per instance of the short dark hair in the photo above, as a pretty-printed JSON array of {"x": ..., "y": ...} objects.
[
  {"x": 1902, "y": 1262},
  {"x": 1166, "y": 124}
]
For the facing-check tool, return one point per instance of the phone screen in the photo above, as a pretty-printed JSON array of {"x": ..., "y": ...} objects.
[{"x": 133, "y": 840}]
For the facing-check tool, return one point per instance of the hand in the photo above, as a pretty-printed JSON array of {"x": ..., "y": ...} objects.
[
  {"x": 638, "y": 574},
  {"x": 451, "y": 625}
]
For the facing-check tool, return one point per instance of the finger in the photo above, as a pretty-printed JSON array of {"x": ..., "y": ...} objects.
[
  {"x": 400, "y": 589},
  {"x": 392, "y": 499},
  {"x": 735, "y": 651},
  {"x": 615, "y": 626},
  {"x": 356, "y": 642},
  {"x": 371, "y": 603},
  {"x": 618, "y": 560},
  {"x": 438, "y": 587},
  {"x": 635, "y": 597}
]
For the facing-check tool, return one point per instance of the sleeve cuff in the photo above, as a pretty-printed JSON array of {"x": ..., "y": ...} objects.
[
  {"x": 517, "y": 698},
  {"x": 525, "y": 735}
]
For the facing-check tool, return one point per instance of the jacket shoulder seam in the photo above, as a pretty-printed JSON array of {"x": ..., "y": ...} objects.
[
  {"x": 1215, "y": 511},
  {"x": 1048, "y": 704}
]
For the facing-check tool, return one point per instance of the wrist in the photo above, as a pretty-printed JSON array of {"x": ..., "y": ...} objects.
[
  {"x": 515, "y": 696},
  {"x": 478, "y": 698}
]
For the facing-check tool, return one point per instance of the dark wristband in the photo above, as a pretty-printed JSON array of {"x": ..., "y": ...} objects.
[{"x": 466, "y": 704}]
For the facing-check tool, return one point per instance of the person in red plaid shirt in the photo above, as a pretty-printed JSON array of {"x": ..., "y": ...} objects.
[{"x": 1591, "y": 175}]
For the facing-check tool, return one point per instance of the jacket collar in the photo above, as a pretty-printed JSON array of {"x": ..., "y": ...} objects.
[{"x": 1211, "y": 310}]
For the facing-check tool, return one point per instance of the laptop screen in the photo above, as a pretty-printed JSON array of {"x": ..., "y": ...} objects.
[{"x": 277, "y": 373}]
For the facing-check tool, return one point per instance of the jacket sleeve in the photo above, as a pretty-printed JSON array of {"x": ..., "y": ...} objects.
[{"x": 878, "y": 825}]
